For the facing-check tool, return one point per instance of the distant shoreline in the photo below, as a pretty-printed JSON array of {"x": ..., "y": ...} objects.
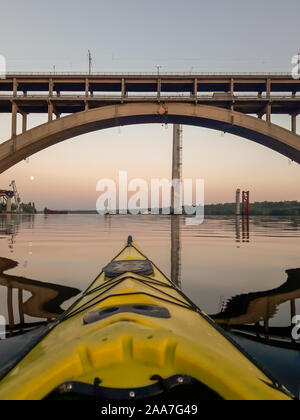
[{"x": 267, "y": 208}]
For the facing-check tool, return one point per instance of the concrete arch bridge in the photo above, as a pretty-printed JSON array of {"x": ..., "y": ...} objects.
[{"x": 231, "y": 103}]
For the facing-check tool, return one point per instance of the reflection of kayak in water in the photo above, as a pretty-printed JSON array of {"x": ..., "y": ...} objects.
[
  {"x": 248, "y": 316},
  {"x": 46, "y": 299},
  {"x": 133, "y": 335},
  {"x": 47, "y": 211},
  {"x": 252, "y": 308}
]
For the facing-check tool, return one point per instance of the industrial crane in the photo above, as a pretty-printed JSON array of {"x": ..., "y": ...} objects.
[{"x": 16, "y": 195}]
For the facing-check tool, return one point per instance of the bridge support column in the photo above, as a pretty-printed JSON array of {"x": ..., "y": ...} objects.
[
  {"x": 24, "y": 122},
  {"x": 232, "y": 87},
  {"x": 15, "y": 88},
  {"x": 196, "y": 91},
  {"x": 268, "y": 90},
  {"x": 50, "y": 111},
  {"x": 55, "y": 112},
  {"x": 14, "y": 125},
  {"x": 87, "y": 88},
  {"x": 86, "y": 106},
  {"x": 294, "y": 123},
  {"x": 123, "y": 89},
  {"x": 50, "y": 88},
  {"x": 269, "y": 111},
  {"x": 158, "y": 89}
]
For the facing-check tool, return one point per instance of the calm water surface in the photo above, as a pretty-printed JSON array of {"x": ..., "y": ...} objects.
[{"x": 237, "y": 275}]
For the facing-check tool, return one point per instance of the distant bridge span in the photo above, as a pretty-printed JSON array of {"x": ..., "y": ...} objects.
[{"x": 263, "y": 132}]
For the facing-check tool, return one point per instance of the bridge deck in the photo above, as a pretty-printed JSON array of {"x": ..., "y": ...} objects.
[
  {"x": 149, "y": 83},
  {"x": 69, "y": 93},
  {"x": 66, "y": 104},
  {"x": 241, "y": 94}
]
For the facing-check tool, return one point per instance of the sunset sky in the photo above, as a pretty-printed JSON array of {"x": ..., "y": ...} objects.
[{"x": 177, "y": 37}]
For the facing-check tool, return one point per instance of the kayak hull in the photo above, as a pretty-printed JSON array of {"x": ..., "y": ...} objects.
[{"x": 131, "y": 333}]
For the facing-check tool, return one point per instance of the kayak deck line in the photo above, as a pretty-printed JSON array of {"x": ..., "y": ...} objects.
[
  {"x": 118, "y": 282},
  {"x": 145, "y": 279},
  {"x": 125, "y": 333}
]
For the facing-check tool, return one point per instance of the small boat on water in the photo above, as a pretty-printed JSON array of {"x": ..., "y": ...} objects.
[
  {"x": 48, "y": 211},
  {"x": 134, "y": 336}
]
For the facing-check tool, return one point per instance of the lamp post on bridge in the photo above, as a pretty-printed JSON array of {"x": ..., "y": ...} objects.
[
  {"x": 90, "y": 61},
  {"x": 158, "y": 69}
]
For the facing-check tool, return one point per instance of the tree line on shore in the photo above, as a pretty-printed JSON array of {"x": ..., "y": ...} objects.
[
  {"x": 266, "y": 208},
  {"x": 28, "y": 208}
]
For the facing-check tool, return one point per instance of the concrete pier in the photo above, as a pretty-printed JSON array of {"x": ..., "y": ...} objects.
[{"x": 176, "y": 202}]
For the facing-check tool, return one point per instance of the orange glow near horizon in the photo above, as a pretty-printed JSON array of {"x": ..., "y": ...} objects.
[{"x": 65, "y": 175}]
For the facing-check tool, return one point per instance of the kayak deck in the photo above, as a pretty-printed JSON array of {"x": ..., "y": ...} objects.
[{"x": 133, "y": 335}]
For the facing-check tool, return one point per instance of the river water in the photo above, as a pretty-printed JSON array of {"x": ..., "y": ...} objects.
[{"x": 235, "y": 272}]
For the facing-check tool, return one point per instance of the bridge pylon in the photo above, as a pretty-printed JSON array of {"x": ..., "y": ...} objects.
[{"x": 176, "y": 201}]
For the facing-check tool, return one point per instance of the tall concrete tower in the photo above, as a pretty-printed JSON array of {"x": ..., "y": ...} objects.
[{"x": 176, "y": 167}]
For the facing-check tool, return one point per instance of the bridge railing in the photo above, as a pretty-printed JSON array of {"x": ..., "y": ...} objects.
[
  {"x": 194, "y": 74},
  {"x": 153, "y": 96}
]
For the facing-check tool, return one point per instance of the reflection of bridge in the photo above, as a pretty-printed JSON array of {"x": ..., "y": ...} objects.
[
  {"x": 224, "y": 102},
  {"x": 45, "y": 301},
  {"x": 244, "y": 313}
]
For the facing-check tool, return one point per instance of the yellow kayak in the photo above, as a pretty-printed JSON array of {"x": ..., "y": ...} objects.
[{"x": 133, "y": 335}]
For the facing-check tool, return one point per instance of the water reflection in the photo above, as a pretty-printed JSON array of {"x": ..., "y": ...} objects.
[
  {"x": 176, "y": 251},
  {"x": 246, "y": 228},
  {"x": 10, "y": 225},
  {"x": 206, "y": 248},
  {"x": 251, "y": 313},
  {"x": 7, "y": 228},
  {"x": 238, "y": 228},
  {"x": 276, "y": 226},
  {"x": 72, "y": 249},
  {"x": 242, "y": 235},
  {"x": 45, "y": 301}
]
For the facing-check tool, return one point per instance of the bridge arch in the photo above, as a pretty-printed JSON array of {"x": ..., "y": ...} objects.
[{"x": 46, "y": 135}]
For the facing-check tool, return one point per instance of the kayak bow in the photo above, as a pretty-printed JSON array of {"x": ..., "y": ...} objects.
[{"x": 134, "y": 335}]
